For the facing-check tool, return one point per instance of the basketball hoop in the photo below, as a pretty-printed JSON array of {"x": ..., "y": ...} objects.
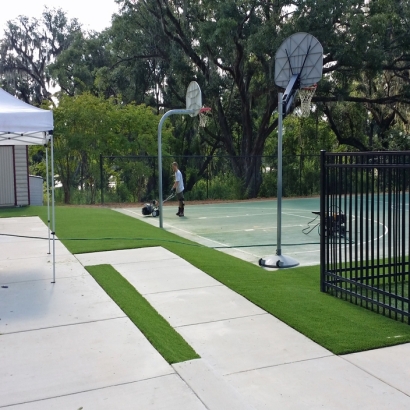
[
  {"x": 203, "y": 116},
  {"x": 305, "y": 96}
]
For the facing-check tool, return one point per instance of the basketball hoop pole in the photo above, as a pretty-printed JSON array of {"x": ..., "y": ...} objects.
[
  {"x": 161, "y": 123},
  {"x": 279, "y": 177},
  {"x": 279, "y": 260}
]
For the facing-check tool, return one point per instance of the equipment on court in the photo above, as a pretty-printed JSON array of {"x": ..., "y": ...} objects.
[
  {"x": 152, "y": 208},
  {"x": 305, "y": 96},
  {"x": 193, "y": 108},
  {"x": 335, "y": 224},
  {"x": 193, "y": 98},
  {"x": 298, "y": 64},
  {"x": 203, "y": 116}
]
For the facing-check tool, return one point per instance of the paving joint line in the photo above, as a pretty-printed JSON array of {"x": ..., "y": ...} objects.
[
  {"x": 90, "y": 390},
  {"x": 180, "y": 290},
  {"x": 280, "y": 364},
  {"x": 65, "y": 325},
  {"x": 189, "y": 387},
  {"x": 221, "y": 320},
  {"x": 373, "y": 375}
]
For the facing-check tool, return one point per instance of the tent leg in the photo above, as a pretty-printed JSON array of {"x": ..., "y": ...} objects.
[
  {"x": 48, "y": 200},
  {"x": 53, "y": 209}
]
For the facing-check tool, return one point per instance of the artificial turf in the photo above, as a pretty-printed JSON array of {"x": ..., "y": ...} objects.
[
  {"x": 292, "y": 295},
  {"x": 168, "y": 342}
]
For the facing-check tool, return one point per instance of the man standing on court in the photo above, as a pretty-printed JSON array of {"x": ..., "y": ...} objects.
[{"x": 179, "y": 188}]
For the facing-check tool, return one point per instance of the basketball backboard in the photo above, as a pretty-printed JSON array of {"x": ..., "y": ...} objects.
[
  {"x": 193, "y": 98},
  {"x": 301, "y": 53}
]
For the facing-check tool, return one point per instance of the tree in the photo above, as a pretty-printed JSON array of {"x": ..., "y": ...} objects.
[
  {"x": 77, "y": 68},
  {"x": 366, "y": 88},
  {"x": 27, "y": 49},
  {"x": 222, "y": 45},
  {"x": 87, "y": 126}
]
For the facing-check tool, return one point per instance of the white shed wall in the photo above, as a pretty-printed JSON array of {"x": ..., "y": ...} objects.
[
  {"x": 7, "y": 194},
  {"x": 21, "y": 167}
]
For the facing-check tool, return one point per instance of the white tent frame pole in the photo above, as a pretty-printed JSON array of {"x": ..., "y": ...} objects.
[
  {"x": 53, "y": 208},
  {"x": 161, "y": 123},
  {"x": 48, "y": 200}
]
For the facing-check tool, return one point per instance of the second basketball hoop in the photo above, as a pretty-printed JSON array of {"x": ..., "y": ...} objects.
[{"x": 203, "y": 116}]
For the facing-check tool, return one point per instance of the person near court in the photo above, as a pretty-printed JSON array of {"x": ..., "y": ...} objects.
[{"x": 178, "y": 187}]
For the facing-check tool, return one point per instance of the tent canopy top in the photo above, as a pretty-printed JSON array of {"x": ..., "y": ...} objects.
[{"x": 21, "y": 123}]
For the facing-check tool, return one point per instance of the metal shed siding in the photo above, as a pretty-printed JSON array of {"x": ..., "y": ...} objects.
[
  {"x": 21, "y": 173},
  {"x": 7, "y": 191}
]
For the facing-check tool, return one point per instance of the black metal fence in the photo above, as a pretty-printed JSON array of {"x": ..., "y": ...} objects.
[
  {"x": 365, "y": 228},
  {"x": 135, "y": 179}
]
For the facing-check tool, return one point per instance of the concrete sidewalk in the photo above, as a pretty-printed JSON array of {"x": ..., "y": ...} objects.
[{"x": 67, "y": 345}]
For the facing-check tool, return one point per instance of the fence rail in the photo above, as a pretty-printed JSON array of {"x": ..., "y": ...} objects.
[{"x": 365, "y": 228}]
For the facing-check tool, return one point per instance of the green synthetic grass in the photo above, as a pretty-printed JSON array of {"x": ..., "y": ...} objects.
[
  {"x": 292, "y": 295},
  {"x": 157, "y": 330}
]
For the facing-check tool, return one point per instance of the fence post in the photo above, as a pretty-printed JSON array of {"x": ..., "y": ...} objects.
[
  {"x": 101, "y": 179},
  {"x": 254, "y": 178},
  {"x": 322, "y": 219},
  {"x": 207, "y": 183}
]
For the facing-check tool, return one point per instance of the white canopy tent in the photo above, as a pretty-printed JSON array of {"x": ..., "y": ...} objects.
[{"x": 23, "y": 124}]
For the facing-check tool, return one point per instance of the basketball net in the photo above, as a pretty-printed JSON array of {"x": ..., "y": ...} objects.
[
  {"x": 203, "y": 116},
  {"x": 305, "y": 96}
]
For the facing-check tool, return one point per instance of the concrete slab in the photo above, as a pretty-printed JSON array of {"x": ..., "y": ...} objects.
[
  {"x": 64, "y": 360},
  {"x": 391, "y": 365},
  {"x": 154, "y": 264},
  {"x": 210, "y": 387},
  {"x": 42, "y": 304},
  {"x": 152, "y": 277},
  {"x": 22, "y": 225},
  {"x": 201, "y": 305},
  {"x": 327, "y": 383},
  {"x": 249, "y": 343},
  {"x": 161, "y": 393},
  {"x": 12, "y": 229},
  {"x": 41, "y": 268},
  {"x": 22, "y": 249},
  {"x": 125, "y": 256}
]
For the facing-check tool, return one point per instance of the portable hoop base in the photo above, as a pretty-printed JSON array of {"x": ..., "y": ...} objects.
[{"x": 278, "y": 261}]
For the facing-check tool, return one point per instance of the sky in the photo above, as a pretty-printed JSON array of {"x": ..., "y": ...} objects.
[{"x": 93, "y": 15}]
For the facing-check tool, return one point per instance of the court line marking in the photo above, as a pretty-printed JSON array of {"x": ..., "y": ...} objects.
[
  {"x": 250, "y": 215},
  {"x": 274, "y": 228},
  {"x": 226, "y": 246},
  {"x": 223, "y": 245},
  {"x": 189, "y": 233}
]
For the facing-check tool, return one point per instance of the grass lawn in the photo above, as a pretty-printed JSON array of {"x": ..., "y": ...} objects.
[
  {"x": 157, "y": 330},
  {"x": 292, "y": 295}
]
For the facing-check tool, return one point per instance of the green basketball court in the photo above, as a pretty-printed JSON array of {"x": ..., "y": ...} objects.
[{"x": 246, "y": 229}]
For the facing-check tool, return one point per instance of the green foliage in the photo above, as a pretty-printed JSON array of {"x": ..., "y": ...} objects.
[
  {"x": 220, "y": 187},
  {"x": 27, "y": 48},
  {"x": 269, "y": 185},
  {"x": 87, "y": 127}
]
